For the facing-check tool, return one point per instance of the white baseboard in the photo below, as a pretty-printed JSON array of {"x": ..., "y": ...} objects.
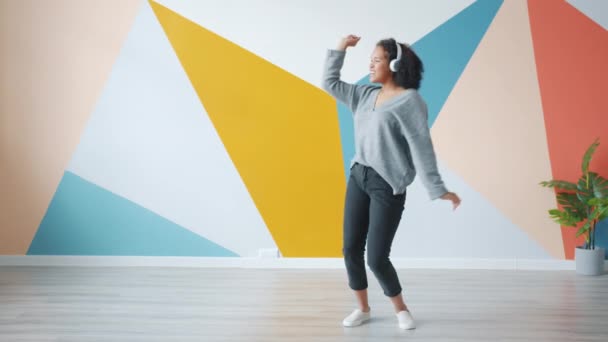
[{"x": 311, "y": 263}]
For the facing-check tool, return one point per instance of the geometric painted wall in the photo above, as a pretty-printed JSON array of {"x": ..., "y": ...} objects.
[{"x": 208, "y": 133}]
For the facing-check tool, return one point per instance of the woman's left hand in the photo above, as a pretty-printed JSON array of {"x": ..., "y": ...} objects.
[{"x": 450, "y": 196}]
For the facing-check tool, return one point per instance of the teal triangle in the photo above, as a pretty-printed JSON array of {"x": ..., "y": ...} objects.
[
  {"x": 445, "y": 52},
  {"x": 85, "y": 219}
]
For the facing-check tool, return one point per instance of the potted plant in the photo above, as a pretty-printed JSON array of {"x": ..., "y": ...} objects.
[{"x": 583, "y": 205}]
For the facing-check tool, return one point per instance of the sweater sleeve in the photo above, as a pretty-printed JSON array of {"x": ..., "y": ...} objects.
[
  {"x": 418, "y": 136},
  {"x": 347, "y": 93}
]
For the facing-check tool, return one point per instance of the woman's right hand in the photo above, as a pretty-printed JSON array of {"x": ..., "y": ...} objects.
[{"x": 350, "y": 40}]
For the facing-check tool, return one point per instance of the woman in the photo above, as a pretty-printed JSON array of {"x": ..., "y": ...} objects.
[{"x": 392, "y": 145}]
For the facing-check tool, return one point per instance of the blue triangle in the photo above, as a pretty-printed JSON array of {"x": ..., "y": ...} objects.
[
  {"x": 601, "y": 235},
  {"x": 445, "y": 52},
  {"x": 84, "y": 219},
  {"x": 347, "y": 135}
]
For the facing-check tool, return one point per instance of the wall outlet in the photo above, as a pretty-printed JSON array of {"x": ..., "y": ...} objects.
[{"x": 268, "y": 253}]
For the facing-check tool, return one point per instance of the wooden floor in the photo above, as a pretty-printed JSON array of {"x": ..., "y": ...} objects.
[{"x": 197, "y": 304}]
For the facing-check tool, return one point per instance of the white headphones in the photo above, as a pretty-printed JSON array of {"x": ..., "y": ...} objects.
[{"x": 393, "y": 64}]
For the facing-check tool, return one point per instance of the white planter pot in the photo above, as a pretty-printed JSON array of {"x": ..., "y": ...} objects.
[{"x": 589, "y": 261}]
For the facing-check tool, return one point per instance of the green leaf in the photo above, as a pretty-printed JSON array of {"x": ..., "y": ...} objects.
[
  {"x": 564, "y": 218},
  {"x": 595, "y": 214},
  {"x": 589, "y": 155},
  {"x": 571, "y": 202},
  {"x": 585, "y": 190},
  {"x": 599, "y": 185},
  {"x": 559, "y": 184},
  {"x": 600, "y": 202},
  {"x": 601, "y": 212},
  {"x": 584, "y": 229}
]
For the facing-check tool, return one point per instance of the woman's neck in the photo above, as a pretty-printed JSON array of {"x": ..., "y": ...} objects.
[{"x": 391, "y": 87}]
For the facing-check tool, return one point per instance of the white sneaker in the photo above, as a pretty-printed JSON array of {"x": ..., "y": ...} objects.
[
  {"x": 406, "y": 321},
  {"x": 356, "y": 318}
]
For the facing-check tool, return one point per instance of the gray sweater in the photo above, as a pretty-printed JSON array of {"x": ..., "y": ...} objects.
[{"x": 394, "y": 138}]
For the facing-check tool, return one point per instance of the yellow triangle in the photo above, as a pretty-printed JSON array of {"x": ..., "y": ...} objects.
[{"x": 281, "y": 133}]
